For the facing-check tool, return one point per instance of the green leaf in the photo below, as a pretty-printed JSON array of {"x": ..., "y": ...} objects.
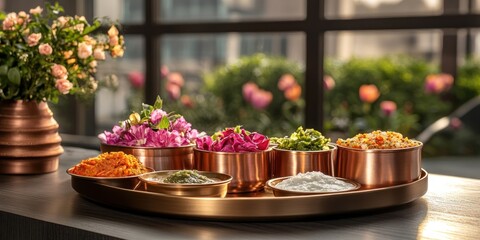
[
  {"x": 14, "y": 76},
  {"x": 3, "y": 70},
  {"x": 158, "y": 103},
  {"x": 163, "y": 124}
]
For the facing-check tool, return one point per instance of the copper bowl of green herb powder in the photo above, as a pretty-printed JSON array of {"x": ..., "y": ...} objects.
[{"x": 187, "y": 183}]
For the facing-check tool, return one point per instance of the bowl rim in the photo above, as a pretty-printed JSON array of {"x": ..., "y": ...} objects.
[
  {"x": 106, "y": 178},
  {"x": 332, "y": 145},
  {"x": 270, "y": 184},
  {"x": 269, "y": 149},
  {"x": 142, "y": 177},
  {"x": 144, "y": 147},
  {"x": 419, "y": 146}
]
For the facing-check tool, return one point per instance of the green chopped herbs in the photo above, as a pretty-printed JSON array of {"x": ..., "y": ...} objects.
[
  {"x": 303, "y": 140},
  {"x": 187, "y": 176}
]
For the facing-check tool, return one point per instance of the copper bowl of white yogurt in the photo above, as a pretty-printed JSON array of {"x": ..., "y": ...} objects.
[{"x": 310, "y": 183}]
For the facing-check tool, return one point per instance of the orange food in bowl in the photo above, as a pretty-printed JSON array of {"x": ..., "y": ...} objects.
[
  {"x": 378, "y": 140},
  {"x": 109, "y": 164}
]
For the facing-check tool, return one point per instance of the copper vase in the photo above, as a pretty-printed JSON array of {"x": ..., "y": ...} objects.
[{"x": 29, "y": 140}]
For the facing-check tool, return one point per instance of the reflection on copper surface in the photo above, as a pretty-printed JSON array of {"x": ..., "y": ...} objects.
[
  {"x": 375, "y": 168},
  {"x": 29, "y": 140},
  {"x": 290, "y": 163},
  {"x": 250, "y": 170},
  {"x": 171, "y": 158}
]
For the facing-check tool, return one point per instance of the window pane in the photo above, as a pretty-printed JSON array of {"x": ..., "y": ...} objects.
[
  {"x": 423, "y": 44},
  {"x": 229, "y": 10},
  {"x": 212, "y": 98},
  {"x": 125, "y": 92},
  {"x": 125, "y": 11},
  {"x": 381, "y": 8},
  {"x": 377, "y": 80}
]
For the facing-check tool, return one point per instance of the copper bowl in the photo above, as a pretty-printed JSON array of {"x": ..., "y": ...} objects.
[
  {"x": 374, "y": 168},
  {"x": 249, "y": 170},
  {"x": 278, "y": 192},
  {"x": 153, "y": 183},
  {"x": 169, "y": 158},
  {"x": 290, "y": 163},
  {"x": 129, "y": 182}
]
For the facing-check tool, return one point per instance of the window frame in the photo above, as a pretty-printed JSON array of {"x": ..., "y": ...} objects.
[{"x": 314, "y": 26}]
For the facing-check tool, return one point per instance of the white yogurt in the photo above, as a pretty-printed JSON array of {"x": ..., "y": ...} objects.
[{"x": 314, "y": 182}]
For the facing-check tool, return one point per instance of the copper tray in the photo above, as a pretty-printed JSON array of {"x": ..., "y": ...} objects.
[{"x": 251, "y": 206}]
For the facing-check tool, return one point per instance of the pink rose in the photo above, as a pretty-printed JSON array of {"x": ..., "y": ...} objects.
[
  {"x": 59, "y": 71},
  {"x": 22, "y": 16},
  {"x": 113, "y": 40},
  {"x": 84, "y": 50},
  {"x": 175, "y": 78},
  {"x": 388, "y": 107},
  {"x": 45, "y": 49},
  {"x": 328, "y": 82},
  {"x": 437, "y": 83},
  {"x": 286, "y": 81},
  {"x": 62, "y": 21},
  {"x": 136, "y": 79},
  {"x": 117, "y": 51},
  {"x": 99, "y": 54},
  {"x": 248, "y": 89},
  {"x": 368, "y": 93},
  {"x": 113, "y": 31},
  {"x": 10, "y": 21},
  {"x": 63, "y": 85},
  {"x": 173, "y": 91},
  {"x": 261, "y": 99},
  {"x": 293, "y": 93},
  {"x": 164, "y": 71},
  {"x": 33, "y": 39},
  {"x": 37, "y": 10}
]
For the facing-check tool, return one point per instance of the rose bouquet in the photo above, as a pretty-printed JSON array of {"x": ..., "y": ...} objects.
[
  {"x": 233, "y": 140},
  {"x": 152, "y": 127},
  {"x": 44, "y": 55}
]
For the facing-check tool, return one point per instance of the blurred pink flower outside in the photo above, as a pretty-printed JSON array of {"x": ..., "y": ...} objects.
[
  {"x": 293, "y": 93},
  {"x": 328, "y": 82},
  {"x": 261, "y": 99},
  {"x": 456, "y": 123},
  {"x": 137, "y": 79},
  {"x": 286, "y": 81},
  {"x": 388, "y": 107},
  {"x": 258, "y": 98},
  {"x": 174, "y": 85},
  {"x": 164, "y": 71},
  {"x": 186, "y": 101},
  {"x": 437, "y": 83},
  {"x": 173, "y": 91},
  {"x": 248, "y": 89},
  {"x": 368, "y": 93},
  {"x": 175, "y": 78}
]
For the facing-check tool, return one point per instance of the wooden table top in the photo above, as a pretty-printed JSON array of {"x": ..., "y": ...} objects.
[{"x": 45, "y": 206}]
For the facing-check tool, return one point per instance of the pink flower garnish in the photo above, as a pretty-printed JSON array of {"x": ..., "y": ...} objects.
[{"x": 233, "y": 140}]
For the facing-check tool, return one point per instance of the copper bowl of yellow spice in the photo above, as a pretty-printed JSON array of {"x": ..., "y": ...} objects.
[{"x": 379, "y": 159}]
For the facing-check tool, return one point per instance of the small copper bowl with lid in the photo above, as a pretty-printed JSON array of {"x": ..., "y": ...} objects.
[
  {"x": 375, "y": 168},
  {"x": 290, "y": 162}
]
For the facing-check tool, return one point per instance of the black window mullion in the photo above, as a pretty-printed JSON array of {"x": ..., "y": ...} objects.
[
  {"x": 314, "y": 66},
  {"x": 152, "y": 53}
]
